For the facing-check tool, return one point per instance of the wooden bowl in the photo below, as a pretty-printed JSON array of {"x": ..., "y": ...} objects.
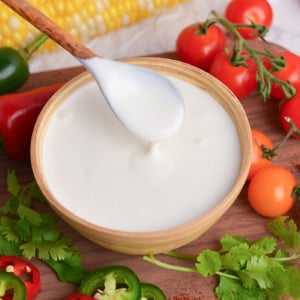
[{"x": 156, "y": 240}]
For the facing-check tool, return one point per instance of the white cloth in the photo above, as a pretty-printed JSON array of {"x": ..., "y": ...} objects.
[{"x": 158, "y": 34}]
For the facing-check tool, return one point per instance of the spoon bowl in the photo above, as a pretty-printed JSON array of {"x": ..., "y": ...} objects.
[{"x": 148, "y": 104}]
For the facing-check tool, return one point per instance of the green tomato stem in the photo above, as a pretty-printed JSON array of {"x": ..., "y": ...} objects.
[{"x": 264, "y": 77}]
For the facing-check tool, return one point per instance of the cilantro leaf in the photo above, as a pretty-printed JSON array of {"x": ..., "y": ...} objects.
[
  {"x": 55, "y": 250},
  {"x": 266, "y": 244},
  {"x": 31, "y": 234},
  {"x": 9, "y": 247},
  {"x": 70, "y": 269},
  {"x": 29, "y": 214},
  {"x": 236, "y": 258},
  {"x": 229, "y": 241},
  {"x": 7, "y": 229},
  {"x": 292, "y": 283},
  {"x": 286, "y": 231},
  {"x": 259, "y": 268},
  {"x": 209, "y": 263},
  {"x": 231, "y": 289},
  {"x": 13, "y": 185},
  {"x": 10, "y": 206}
]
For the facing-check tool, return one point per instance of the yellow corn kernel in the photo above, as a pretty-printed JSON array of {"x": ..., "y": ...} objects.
[{"x": 84, "y": 19}]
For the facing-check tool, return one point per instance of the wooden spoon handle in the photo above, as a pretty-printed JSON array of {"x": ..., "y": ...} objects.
[{"x": 51, "y": 29}]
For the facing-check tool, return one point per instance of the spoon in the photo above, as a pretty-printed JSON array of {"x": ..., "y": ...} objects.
[{"x": 146, "y": 102}]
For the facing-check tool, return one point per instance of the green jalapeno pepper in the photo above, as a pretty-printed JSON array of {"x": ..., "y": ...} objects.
[
  {"x": 113, "y": 282},
  {"x": 151, "y": 292},
  {"x": 14, "y": 69},
  {"x": 11, "y": 287}
]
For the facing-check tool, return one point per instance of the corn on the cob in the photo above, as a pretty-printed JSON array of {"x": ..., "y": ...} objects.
[{"x": 84, "y": 19}]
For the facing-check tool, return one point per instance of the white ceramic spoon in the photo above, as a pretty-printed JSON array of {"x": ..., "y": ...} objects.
[{"x": 146, "y": 102}]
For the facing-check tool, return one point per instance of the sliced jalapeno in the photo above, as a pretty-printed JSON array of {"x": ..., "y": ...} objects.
[
  {"x": 151, "y": 292},
  {"x": 9, "y": 283},
  {"x": 113, "y": 282}
]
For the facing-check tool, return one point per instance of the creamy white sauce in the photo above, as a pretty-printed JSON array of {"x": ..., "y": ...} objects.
[
  {"x": 152, "y": 108},
  {"x": 103, "y": 173}
]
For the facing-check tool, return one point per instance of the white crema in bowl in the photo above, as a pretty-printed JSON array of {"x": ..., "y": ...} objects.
[{"x": 102, "y": 173}]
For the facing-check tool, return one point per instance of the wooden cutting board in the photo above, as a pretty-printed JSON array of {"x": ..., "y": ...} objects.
[{"x": 240, "y": 219}]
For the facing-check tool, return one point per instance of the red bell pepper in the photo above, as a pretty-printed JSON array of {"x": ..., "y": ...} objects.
[
  {"x": 26, "y": 271},
  {"x": 79, "y": 296},
  {"x": 18, "y": 114}
]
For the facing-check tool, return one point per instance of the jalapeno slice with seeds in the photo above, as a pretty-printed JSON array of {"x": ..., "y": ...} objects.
[
  {"x": 151, "y": 292},
  {"x": 112, "y": 282},
  {"x": 11, "y": 287}
]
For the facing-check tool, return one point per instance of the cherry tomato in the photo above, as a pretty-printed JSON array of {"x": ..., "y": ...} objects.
[
  {"x": 270, "y": 191},
  {"x": 290, "y": 73},
  {"x": 290, "y": 108},
  {"x": 246, "y": 11},
  {"x": 259, "y": 140},
  {"x": 197, "y": 46},
  {"x": 241, "y": 80}
]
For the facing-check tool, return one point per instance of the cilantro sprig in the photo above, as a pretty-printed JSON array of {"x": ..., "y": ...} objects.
[
  {"x": 29, "y": 233},
  {"x": 262, "y": 269}
]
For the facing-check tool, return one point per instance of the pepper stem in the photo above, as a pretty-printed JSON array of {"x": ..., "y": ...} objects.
[{"x": 32, "y": 47}]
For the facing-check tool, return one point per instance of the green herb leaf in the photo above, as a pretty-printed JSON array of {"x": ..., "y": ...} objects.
[
  {"x": 292, "y": 283},
  {"x": 8, "y": 247},
  {"x": 31, "y": 234},
  {"x": 231, "y": 289},
  {"x": 70, "y": 269},
  {"x": 257, "y": 270},
  {"x": 209, "y": 263},
  {"x": 7, "y": 229},
  {"x": 286, "y": 231},
  {"x": 228, "y": 241},
  {"x": 29, "y": 214},
  {"x": 12, "y": 183}
]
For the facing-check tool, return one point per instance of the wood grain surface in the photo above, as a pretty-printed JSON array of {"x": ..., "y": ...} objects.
[{"x": 240, "y": 219}]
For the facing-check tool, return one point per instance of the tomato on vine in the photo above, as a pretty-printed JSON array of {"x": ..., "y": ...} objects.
[
  {"x": 290, "y": 109},
  {"x": 198, "y": 43},
  {"x": 236, "y": 71},
  {"x": 262, "y": 152},
  {"x": 272, "y": 191},
  {"x": 249, "y": 12},
  {"x": 290, "y": 72}
]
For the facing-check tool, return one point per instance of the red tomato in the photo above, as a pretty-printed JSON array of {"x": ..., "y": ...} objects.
[
  {"x": 240, "y": 80},
  {"x": 259, "y": 140},
  {"x": 290, "y": 73},
  {"x": 198, "y": 48},
  {"x": 270, "y": 191},
  {"x": 290, "y": 108},
  {"x": 246, "y": 11}
]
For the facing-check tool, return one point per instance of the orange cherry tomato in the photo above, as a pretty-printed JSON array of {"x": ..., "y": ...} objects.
[
  {"x": 270, "y": 192},
  {"x": 260, "y": 141}
]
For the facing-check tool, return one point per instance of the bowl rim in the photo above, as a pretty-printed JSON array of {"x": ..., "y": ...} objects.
[{"x": 179, "y": 70}]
